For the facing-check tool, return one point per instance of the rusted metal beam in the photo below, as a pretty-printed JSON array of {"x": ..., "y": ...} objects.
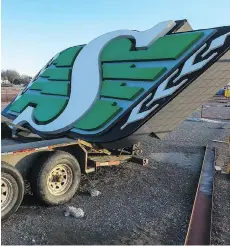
[
  {"x": 199, "y": 230},
  {"x": 140, "y": 160}
]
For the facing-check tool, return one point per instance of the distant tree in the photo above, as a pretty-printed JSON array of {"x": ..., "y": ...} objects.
[
  {"x": 3, "y": 75},
  {"x": 25, "y": 79},
  {"x": 14, "y": 77},
  {"x": 10, "y": 75},
  {"x": 17, "y": 81}
]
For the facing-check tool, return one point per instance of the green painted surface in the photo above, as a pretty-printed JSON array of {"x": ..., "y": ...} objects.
[
  {"x": 126, "y": 71},
  {"x": 100, "y": 113},
  {"x": 37, "y": 85},
  {"x": 54, "y": 88},
  {"x": 167, "y": 47},
  {"x": 57, "y": 73},
  {"x": 67, "y": 57},
  {"x": 46, "y": 108},
  {"x": 119, "y": 90}
]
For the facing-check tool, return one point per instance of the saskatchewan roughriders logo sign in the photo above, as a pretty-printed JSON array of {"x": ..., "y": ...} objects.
[{"x": 107, "y": 89}]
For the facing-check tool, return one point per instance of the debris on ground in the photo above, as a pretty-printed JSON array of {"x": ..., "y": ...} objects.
[
  {"x": 75, "y": 212},
  {"x": 218, "y": 141},
  {"x": 203, "y": 120},
  {"x": 94, "y": 192},
  {"x": 216, "y": 110}
]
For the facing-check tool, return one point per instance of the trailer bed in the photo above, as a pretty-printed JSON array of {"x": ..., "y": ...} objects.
[{"x": 12, "y": 145}]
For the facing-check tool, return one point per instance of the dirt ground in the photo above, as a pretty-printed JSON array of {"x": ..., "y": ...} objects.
[
  {"x": 137, "y": 205},
  {"x": 8, "y": 93}
]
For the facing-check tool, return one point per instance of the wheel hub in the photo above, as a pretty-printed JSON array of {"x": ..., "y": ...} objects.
[
  {"x": 59, "y": 179},
  {"x": 6, "y": 192}
]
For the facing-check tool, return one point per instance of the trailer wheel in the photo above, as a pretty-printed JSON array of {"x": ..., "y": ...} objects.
[
  {"x": 12, "y": 190},
  {"x": 56, "y": 179},
  {"x": 5, "y": 131}
]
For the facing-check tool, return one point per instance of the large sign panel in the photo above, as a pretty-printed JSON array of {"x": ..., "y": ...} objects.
[{"x": 106, "y": 90}]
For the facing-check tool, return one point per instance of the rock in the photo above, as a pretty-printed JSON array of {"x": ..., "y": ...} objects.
[
  {"x": 75, "y": 212},
  {"x": 94, "y": 192}
]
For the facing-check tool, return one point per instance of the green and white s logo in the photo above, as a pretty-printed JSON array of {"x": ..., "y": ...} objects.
[
  {"x": 67, "y": 93},
  {"x": 119, "y": 79}
]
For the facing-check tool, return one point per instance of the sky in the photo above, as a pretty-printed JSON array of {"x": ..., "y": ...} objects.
[{"x": 33, "y": 31}]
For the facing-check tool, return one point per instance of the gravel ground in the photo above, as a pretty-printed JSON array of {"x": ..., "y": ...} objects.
[
  {"x": 138, "y": 205},
  {"x": 221, "y": 211}
]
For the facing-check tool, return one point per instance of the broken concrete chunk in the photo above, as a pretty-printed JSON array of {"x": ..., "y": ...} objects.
[
  {"x": 75, "y": 212},
  {"x": 94, "y": 192}
]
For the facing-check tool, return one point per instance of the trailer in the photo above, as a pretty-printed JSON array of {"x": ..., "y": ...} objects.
[
  {"x": 53, "y": 168},
  {"x": 92, "y": 105}
]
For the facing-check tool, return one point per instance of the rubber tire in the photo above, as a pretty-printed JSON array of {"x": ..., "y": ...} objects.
[
  {"x": 14, "y": 176},
  {"x": 41, "y": 171},
  {"x": 5, "y": 131}
]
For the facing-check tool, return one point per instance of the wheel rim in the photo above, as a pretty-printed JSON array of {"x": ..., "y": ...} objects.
[
  {"x": 59, "y": 179},
  {"x": 7, "y": 193}
]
